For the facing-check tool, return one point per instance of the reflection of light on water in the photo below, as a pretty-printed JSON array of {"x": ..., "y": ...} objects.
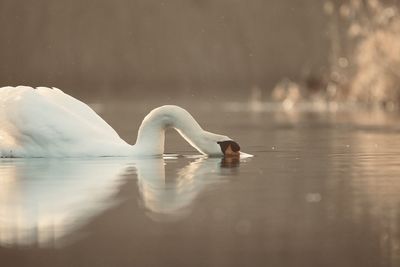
[
  {"x": 43, "y": 200},
  {"x": 376, "y": 187},
  {"x": 373, "y": 199}
]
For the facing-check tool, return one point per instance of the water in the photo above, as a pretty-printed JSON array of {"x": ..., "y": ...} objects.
[{"x": 322, "y": 190}]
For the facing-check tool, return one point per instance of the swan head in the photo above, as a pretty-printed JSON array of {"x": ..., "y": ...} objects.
[
  {"x": 229, "y": 148},
  {"x": 215, "y": 145}
]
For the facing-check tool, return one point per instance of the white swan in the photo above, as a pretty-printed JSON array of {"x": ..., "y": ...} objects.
[{"x": 45, "y": 122}]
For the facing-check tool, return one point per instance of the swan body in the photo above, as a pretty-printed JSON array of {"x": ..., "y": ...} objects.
[{"x": 45, "y": 122}]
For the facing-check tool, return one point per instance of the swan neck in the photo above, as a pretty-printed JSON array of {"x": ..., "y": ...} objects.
[{"x": 151, "y": 135}]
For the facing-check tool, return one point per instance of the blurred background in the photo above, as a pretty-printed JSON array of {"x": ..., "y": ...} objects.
[
  {"x": 305, "y": 86},
  {"x": 347, "y": 50}
]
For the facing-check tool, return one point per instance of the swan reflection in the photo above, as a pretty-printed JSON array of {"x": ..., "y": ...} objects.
[{"x": 42, "y": 201}]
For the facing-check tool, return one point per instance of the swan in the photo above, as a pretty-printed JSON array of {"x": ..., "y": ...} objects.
[{"x": 46, "y": 122}]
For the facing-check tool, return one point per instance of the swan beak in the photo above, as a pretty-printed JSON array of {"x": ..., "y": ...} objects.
[{"x": 230, "y": 148}]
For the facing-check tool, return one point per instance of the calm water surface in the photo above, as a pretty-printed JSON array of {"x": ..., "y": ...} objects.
[{"x": 322, "y": 190}]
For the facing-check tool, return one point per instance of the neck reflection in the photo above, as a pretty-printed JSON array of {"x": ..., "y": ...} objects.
[{"x": 168, "y": 196}]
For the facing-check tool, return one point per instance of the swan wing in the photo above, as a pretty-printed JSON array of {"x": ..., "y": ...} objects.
[{"x": 46, "y": 120}]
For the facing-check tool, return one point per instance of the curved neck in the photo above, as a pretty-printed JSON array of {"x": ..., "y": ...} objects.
[{"x": 151, "y": 135}]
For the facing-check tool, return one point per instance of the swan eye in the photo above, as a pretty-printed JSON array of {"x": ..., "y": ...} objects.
[{"x": 229, "y": 147}]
